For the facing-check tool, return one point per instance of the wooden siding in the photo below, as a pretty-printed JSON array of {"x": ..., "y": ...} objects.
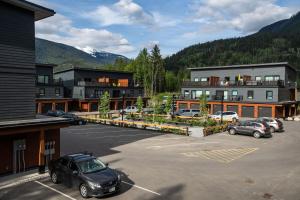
[{"x": 17, "y": 63}]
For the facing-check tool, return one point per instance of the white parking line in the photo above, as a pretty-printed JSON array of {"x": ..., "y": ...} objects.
[
  {"x": 179, "y": 144},
  {"x": 117, "y": 136},
  {"x": 55, "y": 190},
  {"x": 141, "y": 188}
]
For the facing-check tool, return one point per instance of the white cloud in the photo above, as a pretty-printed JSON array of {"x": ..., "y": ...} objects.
[
  {"x": 126, "y": 12},
  {"x": 242, "y": 15},
  {"x": 59, "y": 29}
]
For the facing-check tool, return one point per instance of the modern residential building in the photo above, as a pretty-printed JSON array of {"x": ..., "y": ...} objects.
[
  {"x": 87, "y": 85},
  {"x": 250, "y": 90},
  {"x": 49, "y": 91},
  {"x": 26, "y": 142}
]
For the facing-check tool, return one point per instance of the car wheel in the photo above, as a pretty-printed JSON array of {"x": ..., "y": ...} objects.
[
  {"x": 232, "y": 131},
  {"x": 272, "y": 129},
  {"x": 54, "y": 178},
  {"x": 256, "y": 134},
  {"x": 83, "y": 191}
]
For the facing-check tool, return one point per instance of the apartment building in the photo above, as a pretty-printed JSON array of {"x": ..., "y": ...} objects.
[
  {"x": 26, "y": 142},
  {"x": 86, "y": 86},
  {"x": 250, "y": 90},
  {"x": 49, "y": 91}
]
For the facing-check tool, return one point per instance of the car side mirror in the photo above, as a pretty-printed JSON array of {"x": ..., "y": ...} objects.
[{"x": 75, "y": 172}]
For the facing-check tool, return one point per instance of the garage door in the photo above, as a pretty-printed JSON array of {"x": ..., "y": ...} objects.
[
  {"x": 264, "y": 111},
  {"x": 247, "y": 111},
  {"x": 195, "y": 106},
  {"x": 233, "y": 108},
  {"x": 182, "y": 106},
  {"x": 217, "y": 108},
  {"x": 46, "y": 107},
  {"x": 60, "y": 106}
]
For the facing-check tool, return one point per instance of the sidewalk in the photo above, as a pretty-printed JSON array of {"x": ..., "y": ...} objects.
[{"x": 17, "y": 179}]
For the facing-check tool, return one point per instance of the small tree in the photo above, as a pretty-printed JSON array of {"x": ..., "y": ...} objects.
[
  {"x": 203, "y": 106},
  {"x": 168, "y": 106},
  {"x": 140, "y": 104},
  {"x": 104, "y": 105}
]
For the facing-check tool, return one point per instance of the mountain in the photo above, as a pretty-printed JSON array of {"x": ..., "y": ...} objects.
[
  {"x": 65, "y": 55},
  {"x": 277, "y": 42}
]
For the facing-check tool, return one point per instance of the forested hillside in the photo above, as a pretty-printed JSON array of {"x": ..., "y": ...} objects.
[{"x": 274, "y": 43}]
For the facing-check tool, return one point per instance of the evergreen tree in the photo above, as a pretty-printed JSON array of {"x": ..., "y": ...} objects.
[
  {"x": 157, "y": 70},
  {"x": 104, "y": 105}
]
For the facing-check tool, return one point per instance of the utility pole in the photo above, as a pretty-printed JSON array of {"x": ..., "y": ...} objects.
[{"x": 123, "y": 101}]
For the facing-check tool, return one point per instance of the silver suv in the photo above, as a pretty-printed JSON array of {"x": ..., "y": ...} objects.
[
  {"x": 275, "y": 124},
  {"x": 251, "y": 128},
  {"x": 188, "y": 113}
]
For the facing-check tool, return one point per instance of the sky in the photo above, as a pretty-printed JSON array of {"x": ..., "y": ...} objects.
[{"x": 127, "y": 26}]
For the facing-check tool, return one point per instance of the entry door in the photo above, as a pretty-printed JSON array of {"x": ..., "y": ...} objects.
[
  {"x": 19, "y": 163},
  {"x": 225, "y": 95}
]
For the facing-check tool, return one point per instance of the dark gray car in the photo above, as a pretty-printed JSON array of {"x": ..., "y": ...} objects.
[{"x": 251, "y": 128}]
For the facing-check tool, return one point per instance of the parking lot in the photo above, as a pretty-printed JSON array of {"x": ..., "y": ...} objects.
[{"x": 166, "y": 166}]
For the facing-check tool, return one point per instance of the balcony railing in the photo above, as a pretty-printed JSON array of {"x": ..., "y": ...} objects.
[
  {"x": 97, "y": 84},
  {"x": 279, "y": 83},
  {"x": 227, "y": 98}
]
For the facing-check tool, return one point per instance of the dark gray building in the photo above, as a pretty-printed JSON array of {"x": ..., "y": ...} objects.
[
  {"x": 92, "y": 83},
  {"x": 46, "y": 86},
  {"x": 267, "y": 89}
]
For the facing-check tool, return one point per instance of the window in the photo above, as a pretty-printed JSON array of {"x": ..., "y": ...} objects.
[
  {"x": 132, "y": 93},
  {"x": 196, "y": 94},
  {"x": 234, "y": 92},
  {"x": 73, "y": 166},
  {"x": 269, "y": 78},
  {"x": 276, "y": 78},
  {"x": 250, "y": 94},
  {"x": 257, "y": 78},
  {"x": 87, "y": 79},
  {"x": 204, "y": 79},
  {"x": 186, "y": 93},
  {"x": 43, "y": 79},
  {"x": 57, "y": 92},
  {"x": 269, "y": 95},
  {"x": 207, "y": 93},
  {"x": 196, "y": 79},
  {"x": 42, "y": 91},
  {"x": 63, "y": 161}
]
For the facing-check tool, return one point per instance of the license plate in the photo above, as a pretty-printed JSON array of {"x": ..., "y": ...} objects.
[{"x": 112, "y": 189}]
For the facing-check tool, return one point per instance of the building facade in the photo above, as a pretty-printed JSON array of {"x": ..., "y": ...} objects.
[
  {"x": 26, "y": 142},
  {"x": 249, "y": 90},
  {"x": 85, "y": 86}
]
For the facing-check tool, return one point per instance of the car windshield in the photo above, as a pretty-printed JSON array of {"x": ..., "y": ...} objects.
[
  {"x": 218, "y": 113},
  {"x": 91, "y": 165}
]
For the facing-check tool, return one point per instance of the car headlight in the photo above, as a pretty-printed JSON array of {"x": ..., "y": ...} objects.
[{"x": 94, "y": 185}]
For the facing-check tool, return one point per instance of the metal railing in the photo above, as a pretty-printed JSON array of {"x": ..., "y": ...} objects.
[{"x": 279, "y": 83}]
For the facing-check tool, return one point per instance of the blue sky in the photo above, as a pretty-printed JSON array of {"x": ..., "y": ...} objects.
[{"x": 127, "y": 26}]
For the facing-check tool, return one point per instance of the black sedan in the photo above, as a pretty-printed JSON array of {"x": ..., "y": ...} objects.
[
  {"x": 74, "y": 119},
  {"x": 86, "y": 172}
]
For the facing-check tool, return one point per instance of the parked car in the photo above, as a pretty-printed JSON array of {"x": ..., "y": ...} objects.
[
  {"x": 86, "y": 172},
  {"x": 56, "y": 113},
  {"x": 275, "y": 124},
  {"x": 251, "y": 128},
  {"x": 188, "y": 113},
  {"x": 74, "y": 119},
  {"x": 129, "y": 109},
  {"x": 227, "y": 116}
]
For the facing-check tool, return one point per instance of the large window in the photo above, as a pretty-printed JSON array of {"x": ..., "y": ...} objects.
[
  {"x": 258, "y": 78},
  {"x": 42, "y": 91},
  {"x": 250, "y": 94},
  {"x": 204, "y": 79},
  {"x": 44, "y": 79},
  {"x": 269, "y": 95},
  {"x": 207, "y": 93},
  {"x": 196, "y": 94},
  {"x": 272, "y": 78},
  {"x": 234, "y": 93},
  {"x": 196, "y": 79},
  {"x": 186, "y": 93},
  {"x": 57, "y": 92}
]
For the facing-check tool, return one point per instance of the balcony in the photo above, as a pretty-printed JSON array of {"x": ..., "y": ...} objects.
[
  {"x": 228, "y": 98},
  {"x": 97, "y": 84},
  {"x": 194, "y": 84}
]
